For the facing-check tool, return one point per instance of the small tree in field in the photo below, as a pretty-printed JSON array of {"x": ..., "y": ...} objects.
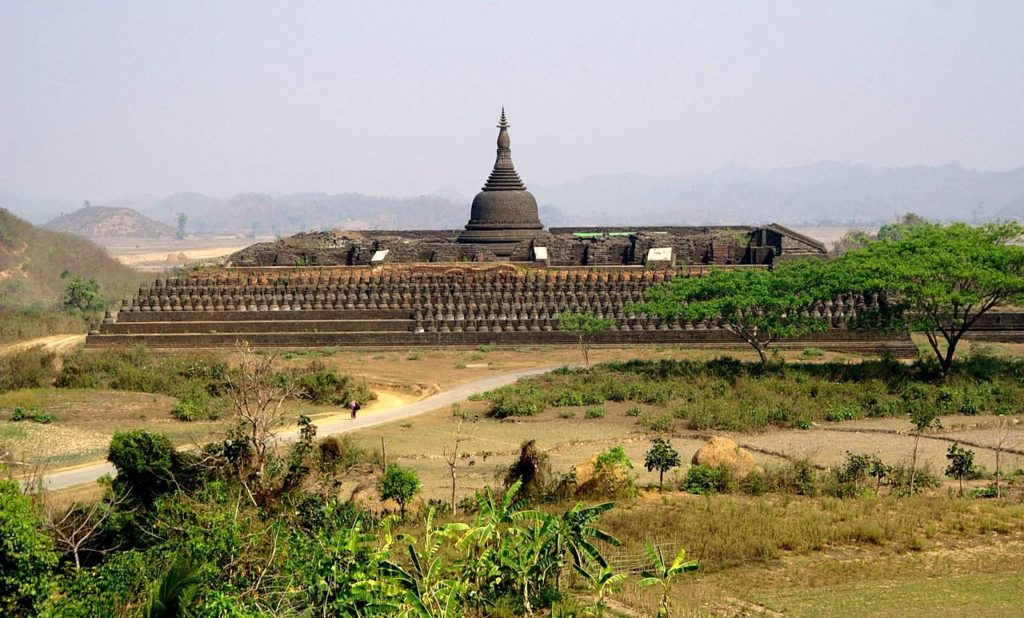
[
  {"x": 938, "y": 280},
  {"x": 922, "y": 418},
  {"x": 961, "y": 464},
  {"x": 757, "y": 305},
  {"x": 399, "y": 484},
  {"x": 662, "y": 457},
  {"x": 584, "y": 326}
]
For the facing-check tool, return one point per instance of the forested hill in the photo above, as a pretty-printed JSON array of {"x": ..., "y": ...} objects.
[{"x": 37, "y": 264}]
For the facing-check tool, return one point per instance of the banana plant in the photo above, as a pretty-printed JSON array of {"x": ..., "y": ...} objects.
[
  {"x": 427, "y": 590},
  {"x": 576, "y": 532},
  {"x": 604, "y": 582},
  {"x": 664, "y": 574}
]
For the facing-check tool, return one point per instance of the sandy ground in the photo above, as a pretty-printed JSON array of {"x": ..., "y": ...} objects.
[
  {"x": 155, "y": 254},
  {"x": 61, "y": 344}
]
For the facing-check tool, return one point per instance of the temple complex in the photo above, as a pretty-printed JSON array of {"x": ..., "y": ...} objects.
[{"x": 503, "y": 279}]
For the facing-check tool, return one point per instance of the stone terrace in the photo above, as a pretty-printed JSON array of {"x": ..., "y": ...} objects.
[{"x": 429, "y": 305}]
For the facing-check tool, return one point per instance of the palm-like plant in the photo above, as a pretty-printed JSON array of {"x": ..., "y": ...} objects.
[
  {"x": 604, "y": 582},
  {"x": 429, "y": 593},
  {"x": 170, "y": 598},
  {"x": 664, "y": 574},
  {"x": 577, "y": 532}
]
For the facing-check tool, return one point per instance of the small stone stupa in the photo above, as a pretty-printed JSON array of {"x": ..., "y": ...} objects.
[{"x": 504, "y": 213}]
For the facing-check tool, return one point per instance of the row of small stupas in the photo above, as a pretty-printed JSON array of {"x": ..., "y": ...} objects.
[{"x": 504, "y": 225}]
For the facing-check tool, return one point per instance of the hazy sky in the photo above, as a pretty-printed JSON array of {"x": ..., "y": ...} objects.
[{"x": 100, "y": 98}]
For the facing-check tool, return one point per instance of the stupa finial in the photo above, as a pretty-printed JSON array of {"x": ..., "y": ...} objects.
[{"x": 502, "y": 122}]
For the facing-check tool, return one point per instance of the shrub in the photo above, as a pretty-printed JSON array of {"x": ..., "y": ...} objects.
[
  {"x": 566, "y": 414},
  {"x": 812, "y": 353},
  {"x": 338, "y": 453},
  {"x": 399, "y": 484},
  {"x": 44, "y": 418},
  {"x": 842, "y": 412},
  {"x": 794, "y": 477},
  {"x": 532, "y": 470},
  {"x": 320, "y": 385},
  {"x": 27, "y": 557},
  {"x": 661, "y": 423},
  {"x": 594, "y": 413},
  {"x": 704, "y": 480},
  {"x": 30, "y": 368},
  {"x": 633, "y": 411},
  {"x": 611, "y": 478},
  {"x": 144, "y": 462},
  {"x": 754, "y": 483}
]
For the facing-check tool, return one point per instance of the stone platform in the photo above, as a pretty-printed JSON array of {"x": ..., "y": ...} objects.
[{"x": 431, "y": 305}]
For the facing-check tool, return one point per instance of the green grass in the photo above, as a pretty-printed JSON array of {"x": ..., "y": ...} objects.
[
  {"x": 728, "y": 394},
  {"x": 978, "y": 595}
]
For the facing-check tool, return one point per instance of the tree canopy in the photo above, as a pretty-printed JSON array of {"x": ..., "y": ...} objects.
[
  {"x": 938, "y": 280},
  {"x": 758, "y": 305}
]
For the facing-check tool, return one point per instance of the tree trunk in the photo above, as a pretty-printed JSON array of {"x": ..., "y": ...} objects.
[
  {"x": 913, "y": 462},
  {"x": 999, "y": 452},
  {"x": 453, "y": 490},
  {"x": 661, "y": 480},
  {"x": 586, "y": 353},
  {"x": 961, "y": 486},
  {"x": 761, "y": 353}
]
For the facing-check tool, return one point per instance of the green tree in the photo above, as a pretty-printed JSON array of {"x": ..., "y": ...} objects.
[
  {"x": 180, "y": 233},
  {"x": 399, "y": 484},
  {"x": 938, "y": 280},
  {"x": 27, "y": 557},
  {"x": 664, "y": 574},
  {"x": 961, "y": 464},
  {"x": 757, "y": 305},
  {"x": 145, "y": 464},
  {"x": 906, "y": 223},
  {"x": 584, "y": 326},
  {"x": 83, "y": 295},
  {"x": 662, "y": 457}
]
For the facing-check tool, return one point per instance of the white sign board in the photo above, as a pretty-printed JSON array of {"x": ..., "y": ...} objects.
[
  {"x": 540, "y": 254},
  {"x": 379, "y": 256},
  {"x": 659, "y": 254}
]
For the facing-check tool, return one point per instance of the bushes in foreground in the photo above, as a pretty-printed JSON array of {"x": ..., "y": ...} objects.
[{"x": 728, "y": 394}]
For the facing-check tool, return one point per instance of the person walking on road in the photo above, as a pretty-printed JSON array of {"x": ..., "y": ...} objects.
[{"x": 354, "y": 407}]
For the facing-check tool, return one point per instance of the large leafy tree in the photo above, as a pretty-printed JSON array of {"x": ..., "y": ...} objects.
[
  {"x": 938, "y": 280},
  {"x": 759, "y": 306}
]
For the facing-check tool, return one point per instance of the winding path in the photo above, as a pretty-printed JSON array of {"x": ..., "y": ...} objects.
[{"x": 88, "y": 473}]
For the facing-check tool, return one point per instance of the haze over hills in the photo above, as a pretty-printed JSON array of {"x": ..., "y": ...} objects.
[
  {"x": 108, "y": 222},
  {"x": 826, "y": 193}
]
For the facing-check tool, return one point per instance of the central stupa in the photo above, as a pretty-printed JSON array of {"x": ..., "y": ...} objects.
[{"x": 504, "y": 213}]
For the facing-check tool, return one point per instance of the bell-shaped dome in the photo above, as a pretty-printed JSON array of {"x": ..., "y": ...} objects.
[{"x": 504, "y": 213}]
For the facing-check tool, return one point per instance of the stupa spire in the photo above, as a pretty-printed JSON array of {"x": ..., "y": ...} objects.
[{"x": 504, "y": 177}]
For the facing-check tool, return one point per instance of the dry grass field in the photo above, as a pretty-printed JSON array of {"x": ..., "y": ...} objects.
[{"x": 771, "y": 555}]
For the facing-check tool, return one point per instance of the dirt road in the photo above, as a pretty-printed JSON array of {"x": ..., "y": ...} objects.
[
  {"x": 60, "y": 344},
  {"x": 390, "y": 410}
]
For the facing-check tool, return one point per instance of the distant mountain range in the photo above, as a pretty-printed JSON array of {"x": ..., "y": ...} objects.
[
  {"x": 823, "y": 193},
  {"x": 107, "y": 222}
]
